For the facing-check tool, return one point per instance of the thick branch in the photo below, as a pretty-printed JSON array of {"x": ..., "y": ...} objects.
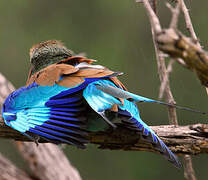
[
  {"x": 190, "y": 139},
  {"x": 8, "y": 171},
  {"x": 48, "y": 160},
  {"x": 178, "y": 45}
]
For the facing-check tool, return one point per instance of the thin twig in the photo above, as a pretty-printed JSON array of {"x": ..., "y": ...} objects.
[
  {"x": 162, "y": 74},
  {"x": 165, "y": 79},
  {"x": 189, "y": 173},
  {"x": 155, "y": 23},
  {"x": 181, "y": 62},
  {"x": 189, "y": 24},
  {"x": 173, "y": 24},
  {"x": 175, "y": 15},
  {"x": 156, "y": 29}
]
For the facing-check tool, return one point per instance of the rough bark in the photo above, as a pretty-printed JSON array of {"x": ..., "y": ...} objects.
[
  {"x": 8, "y": 171},
  {"x": 189, "y": 139},
  {"x": 48, "y": 160},
  {"x": 177, "y": 45}
]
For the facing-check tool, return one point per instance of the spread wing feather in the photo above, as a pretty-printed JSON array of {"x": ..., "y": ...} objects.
[{"x": 127, "y": 111}]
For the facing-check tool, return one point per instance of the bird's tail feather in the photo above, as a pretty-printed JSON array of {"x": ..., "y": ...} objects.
[
  {"x": 120, "y": 93},
  {"x": 168, "y": 153},
  {"x": 149, "y": 136}
]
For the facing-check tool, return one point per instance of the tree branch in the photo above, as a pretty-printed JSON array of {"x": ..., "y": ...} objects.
[
  {"x": 188, "y": 168},
  {"x": 188, "y": 22},
  {"x": 8, "y": 171},
  {"x": 190, "y": 139},
  {"x": 177, "y": 45},
  {"x": 47, "y": 161}
]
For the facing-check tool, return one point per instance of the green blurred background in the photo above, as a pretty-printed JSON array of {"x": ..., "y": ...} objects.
[{"x": 117, "y": 33}]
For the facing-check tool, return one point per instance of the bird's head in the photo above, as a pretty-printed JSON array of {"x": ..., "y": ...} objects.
[{"x": 46, "y": 53}]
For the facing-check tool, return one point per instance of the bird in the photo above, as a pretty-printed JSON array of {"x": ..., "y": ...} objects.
[{"x": 66, "y": 96}]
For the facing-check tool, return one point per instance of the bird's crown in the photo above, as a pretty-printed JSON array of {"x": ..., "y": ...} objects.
[{"x": 48, "y": 52}]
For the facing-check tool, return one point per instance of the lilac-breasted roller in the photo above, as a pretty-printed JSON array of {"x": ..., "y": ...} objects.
[{"x": 66, "y": 97}]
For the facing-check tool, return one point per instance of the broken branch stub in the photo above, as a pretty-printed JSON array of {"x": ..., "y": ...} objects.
[{"x": 177, "y": 45}]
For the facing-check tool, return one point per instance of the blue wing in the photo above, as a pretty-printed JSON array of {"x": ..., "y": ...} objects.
[
  {"x": 101, "y": 101},
  {"x": 55, "y": 113}
]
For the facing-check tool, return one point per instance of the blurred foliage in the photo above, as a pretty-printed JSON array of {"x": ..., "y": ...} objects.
[{"x": 117, "y": 33}]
